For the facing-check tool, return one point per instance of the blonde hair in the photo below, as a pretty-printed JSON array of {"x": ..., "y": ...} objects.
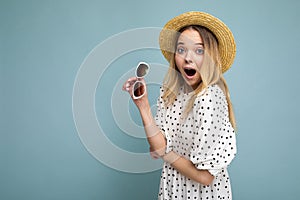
[{"x": 210, "y": 72}]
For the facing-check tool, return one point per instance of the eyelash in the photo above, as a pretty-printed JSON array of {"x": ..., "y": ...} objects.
[{"x": 181, "y": 50}]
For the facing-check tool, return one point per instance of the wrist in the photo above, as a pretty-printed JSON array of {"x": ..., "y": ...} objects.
[
  {"x": 151, "y": 129},
  {"x": 170, "y": 157},
  {"x": 146, "y": 115},
  {"x": 144, "y": 108}
]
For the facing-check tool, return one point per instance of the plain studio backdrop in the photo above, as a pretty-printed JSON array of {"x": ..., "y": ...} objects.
[{"x": 43, "y": 47}]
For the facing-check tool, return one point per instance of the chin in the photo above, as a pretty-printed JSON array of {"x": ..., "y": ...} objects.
[
  {"x": 194, "y": 84},
  {"x": 190, "y": 84}
]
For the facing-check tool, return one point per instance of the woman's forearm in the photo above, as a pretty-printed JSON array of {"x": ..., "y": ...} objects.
[
  {"x": 154, "y": 135},
  {"x": 188, "y": 169}
]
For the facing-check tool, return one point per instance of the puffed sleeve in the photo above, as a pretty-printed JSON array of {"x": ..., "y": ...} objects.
[
  {"x": 160, "y": 120},
  {"x": 214, "y": 143}
]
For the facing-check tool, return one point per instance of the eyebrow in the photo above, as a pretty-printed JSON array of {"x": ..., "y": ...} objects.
[{"x": 182, "y": 43}]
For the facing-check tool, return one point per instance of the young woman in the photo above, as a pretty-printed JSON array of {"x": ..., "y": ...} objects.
[{"x": 193, "y": 130}]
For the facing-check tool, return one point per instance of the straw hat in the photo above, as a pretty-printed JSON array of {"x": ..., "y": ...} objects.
[{"x": 227, "y": 47}]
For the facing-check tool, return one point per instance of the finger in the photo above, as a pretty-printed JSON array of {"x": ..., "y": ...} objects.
[
  {"x": 126, "y": 86},
  {"x": 129, "y": 83},
  {"x": 132, "y": 79},
  {"x": 154, "y": 155}
]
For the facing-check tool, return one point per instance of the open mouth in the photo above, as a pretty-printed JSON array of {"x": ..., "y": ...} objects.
[{"x": 190, "y": 72}]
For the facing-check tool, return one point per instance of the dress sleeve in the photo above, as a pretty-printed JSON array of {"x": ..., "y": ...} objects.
[
  {"x": 160, "y": 120},
  {"x": 214, "y": 143}
]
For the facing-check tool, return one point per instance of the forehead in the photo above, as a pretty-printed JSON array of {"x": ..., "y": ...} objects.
[{"x": 190, "y": 36}]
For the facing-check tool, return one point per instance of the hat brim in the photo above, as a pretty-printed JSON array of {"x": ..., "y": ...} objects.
[{"x": 226, "y": 43}]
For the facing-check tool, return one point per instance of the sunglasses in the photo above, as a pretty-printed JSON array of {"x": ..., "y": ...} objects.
[{"x": 138, "y": 88}]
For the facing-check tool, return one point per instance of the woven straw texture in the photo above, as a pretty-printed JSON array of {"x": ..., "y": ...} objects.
[{"x": 227, "y": 46}]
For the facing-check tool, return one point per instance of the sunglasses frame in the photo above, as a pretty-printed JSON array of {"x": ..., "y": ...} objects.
[{"x": 139, "y": 77}]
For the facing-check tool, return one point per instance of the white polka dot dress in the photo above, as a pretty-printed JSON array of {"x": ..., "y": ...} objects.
[{"x": 206, "y": 138}]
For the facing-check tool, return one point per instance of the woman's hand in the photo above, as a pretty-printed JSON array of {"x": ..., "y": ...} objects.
[{"x": 142, "y": 102}]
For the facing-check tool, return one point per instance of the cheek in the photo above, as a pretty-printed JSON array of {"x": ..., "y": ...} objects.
[
  {"x": 199, "y": 59},
  {"x": 178, "y": 60},
  {"x": 199, "y": 62}
]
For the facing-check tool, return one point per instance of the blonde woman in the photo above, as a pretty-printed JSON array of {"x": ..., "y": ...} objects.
[{"x": 194, "y": 128}]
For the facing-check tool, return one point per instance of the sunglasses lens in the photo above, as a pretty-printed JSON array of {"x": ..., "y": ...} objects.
[
  {"x": 142, "y": 70},
  {"x": 138, "y": 89}
]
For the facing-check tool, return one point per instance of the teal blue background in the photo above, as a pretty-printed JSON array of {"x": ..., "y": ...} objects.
[{"x": 43, "y": 44}]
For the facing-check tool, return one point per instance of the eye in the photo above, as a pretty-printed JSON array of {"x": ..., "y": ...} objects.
[
  {"x": 200, "y": 51},
  {"x": 180, "y": 50}
]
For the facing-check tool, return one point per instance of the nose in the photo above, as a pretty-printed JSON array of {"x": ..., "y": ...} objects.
[{"x": 188, "y": 57}]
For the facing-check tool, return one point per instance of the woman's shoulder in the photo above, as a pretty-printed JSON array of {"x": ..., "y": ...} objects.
[
  {"x": 211, "y": 94},
  {"x": 216, "y": 90},
  {"x": 210, "y": 99},
  {"x": 211, "y": 90}
]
